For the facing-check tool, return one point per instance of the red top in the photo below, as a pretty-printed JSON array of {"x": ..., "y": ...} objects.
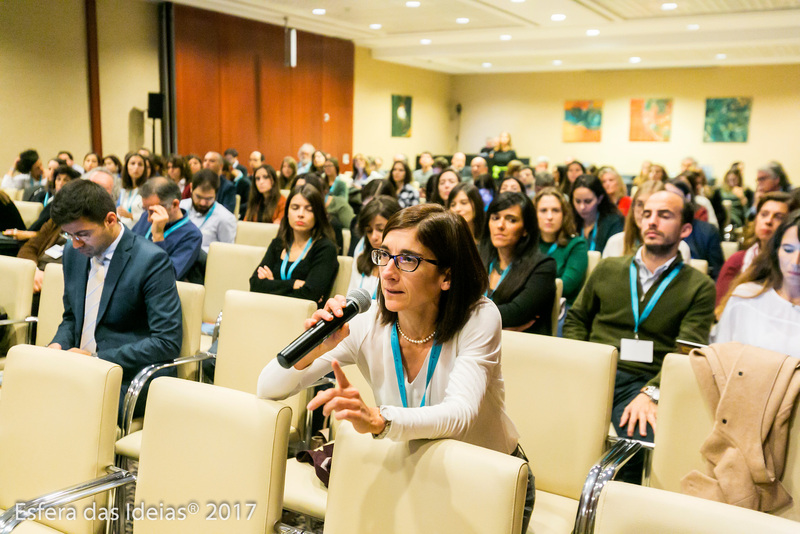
[
  {"x": 730, "y": 270},
  {"x": 624, "y": 205}
]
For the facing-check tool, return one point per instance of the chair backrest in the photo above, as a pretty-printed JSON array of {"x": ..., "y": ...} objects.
[
  {"x": 685, "y": 421},
  {"x": 192, "y": 296},
  {"x": 729, "y": 248},
  {"x": 14, "y": 194},
  {"x": 229, "y": 266},
  {"x": 57, "y": 426},
  {"x": 346, "y": 236},
  {"x": 700, "y": 265},
  {"x": 29, "y": 211},
  {"x": 238, "y": 206},
  {"x": 559, "y": 383},
  {"x": 342, "y": 280},
  {"x": 594, "y": 259},
  {"x": 557, "y": 305},
  {"x": 255, "y": 327},
  {"x": 51, "y": 304},
  {"x": 631, "y": 509},
  {"x": 442, "y": 486},
  {"x": 256, "y": 234},
  {"x": 16, "y": 292},
  {"x": 222, "y": 449}
]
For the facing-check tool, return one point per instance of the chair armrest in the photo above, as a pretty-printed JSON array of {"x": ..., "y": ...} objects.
[
  {"x": 28, "y": 509},
  {"x": 139, "y": 381},
  {"x": 27, "y": 321},
  {"x": 604, "y": 470}
]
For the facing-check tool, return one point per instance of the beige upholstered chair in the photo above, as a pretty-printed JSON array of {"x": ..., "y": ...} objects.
[
  {"x": 559, "y": 394},
  {"x": 14, "y": 194},
  {"x": 229, "y": 266},
  {"x": 684, "y": 423},
  {"x": 442, "y": 486},
  {"x": 256, "y": 234},
  {"x": 238, "y": 206},
  {"x": 51, "y": 304},
  {"x": 192, "y": 296},
  {"x": 346, "y": 237},
  {"x": 630, "y": 509},
  {"x": 29, "y": 211},
  {"x": 594, "y": 259},
  {"x": 16, "y": 293},
  {"x": 209, "y": 444},
  {"x": 342, "y": 280},
  {"x": 700, "y": 265},
  {"x": 729, "y": 248},
  {"x": 57, "y": 425},
  {"x": 557, "y": 305}
]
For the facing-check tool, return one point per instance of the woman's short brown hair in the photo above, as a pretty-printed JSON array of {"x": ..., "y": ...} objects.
[{"x": 448, "y": 235}]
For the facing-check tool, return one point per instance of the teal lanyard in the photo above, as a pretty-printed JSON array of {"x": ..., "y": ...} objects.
[
  {"x": 288, "y": 275},
  {"x": 361, "y": 285},
  {"x": 46, "y": 198},
  {"x": 637, "y": 319},
  {"x": 502, "y": 277},
  {"x": 208, "y": 216},
  {"x": 553, "y": 248},
  {"x": 171, "y": 229},
  {"x": 433, "y": 359},
  {"x": 593, "y": 239}
]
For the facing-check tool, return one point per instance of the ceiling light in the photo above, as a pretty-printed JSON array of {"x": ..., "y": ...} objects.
[
  {"x": 692, "y": 27},
  {"x": 318, "y": 11},
  {"x": 557, "y": 62},
  {"x": 592, "y": 33},
  {"x": 669, "y": 6},
  {"x": 375, "y": 26},
  {"x": 517, "y": 1},
  {"x": 635, "y": 59},
  {"x": 486, "y": 65},
  {"x": 412, "y": 4},
  {"x": 505, "y": 37},
  {"x": 558, "y": 17},
  {"x": 425, "y": 41},
  {"x": 462, "y": 20},
  {"x": 721, "y": 56}
]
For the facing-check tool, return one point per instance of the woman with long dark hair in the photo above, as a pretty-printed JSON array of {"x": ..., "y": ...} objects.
[
  {"x": 466, "y": 200},
  {"x": 129, "y": 203},
  {"x": 265, "y": 204},
  {"x": 371, "y": 222},
  {"x": 596, "y": 216},
  {"x": 522, "y": 280},
  {"x": 401, "y": 177}
]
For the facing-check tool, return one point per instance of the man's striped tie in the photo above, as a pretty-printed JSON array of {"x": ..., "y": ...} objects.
[{"x": 94, "y": 290}]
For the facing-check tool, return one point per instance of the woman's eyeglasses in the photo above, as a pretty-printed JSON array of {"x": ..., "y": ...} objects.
[{"x": 404, "y": 262}]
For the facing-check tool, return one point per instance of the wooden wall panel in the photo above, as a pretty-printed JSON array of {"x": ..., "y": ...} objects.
[{"x": 233, "y": 90}]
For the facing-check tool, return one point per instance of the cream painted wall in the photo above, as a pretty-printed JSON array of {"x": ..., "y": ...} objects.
[
  {"x": 431, "y": 120},
  {"x": 44, "y": 100},
  {"x": 127, "y": 42},
  {"x": 530, "y": 107}
]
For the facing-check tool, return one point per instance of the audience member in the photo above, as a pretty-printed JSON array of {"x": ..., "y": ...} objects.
[
  {"x": 361, "y": 170},
  {"x": 43, "y": 193},
  {"x": 571, "y": 173},
  {"x": 425, "y": 170},
  {"x": 658, "y": 173},
  {"x": 226, "y": 192},
  {"x": 441, "y": 185},
  {"x": 440, "y": 163},
  {"x": 502, "y": 154},
  {"x": 522, "y": 280},
  {"x": 763, "y": 307},
  {"x": 317, "y": 161},
  {"x": 231, "y": 155},
  {"x": 195, "y": 164},
  {"x": 459, "y": 164},
  {"x": 113, "y": 164},
  {"x": 129, "y": 203},
  {"x": 559, "y": 175},
  {"x": 400, "y": 175},
  {"x": 510, "y": 184},
  {"x": 688, "y": 163},
  {"x": 627, "y": 242},
  {"x": 90, "y": 161},
  {"x": 120, "y": 298},
  {"x": 256, "y": 160},
  {"x": 178, "y": 172},
  {"x": 770, "y": 178},
  {"x": 528, "y": 178},
  {"x": 287, "y": 173},
  {"x": 465, "y": 200},
  {"x": 69, "y": 160},
  {"x": 10, "y": 219},
  {"x": 29, "y": 171},
  {"x": 330, "y": 171},
  {"x": 644, "y": 173},
  {"x": 732, "y": 190},
  {"x": 167, "y": 225},
  {"x": 301, "y": 261},
  {"x": 642, "y": 305},
  {"x": 304, "y": 155},
  {"x": 371, "y": 222},
  {"x": 213, "y": 219},
  {"x": 615, "y": 188},
  {"x": 265, "y": 204},
  {"x": 513, "y": 168},
  {"x": 704, "y": 211},
  {"x": 559, "y": 240},
  {"x": 596, "y": 216},
  {"x": 478, "y": 167},
  {"x": 64, "y": 174},
  {"x": 338, "y": 209},
  {"x": 772, "y": 210}
]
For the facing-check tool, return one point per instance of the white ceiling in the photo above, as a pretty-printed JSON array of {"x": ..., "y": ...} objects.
[{"x": 696, "y": 33}]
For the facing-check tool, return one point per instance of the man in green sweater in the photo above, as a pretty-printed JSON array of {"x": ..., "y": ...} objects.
[{"x": 642, "y": 305}]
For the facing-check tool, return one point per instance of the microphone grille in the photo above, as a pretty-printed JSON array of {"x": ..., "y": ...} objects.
[{"x": 361, "y": 298}]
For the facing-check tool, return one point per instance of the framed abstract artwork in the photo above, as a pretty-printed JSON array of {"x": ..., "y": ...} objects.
[
  {"x": 651, "y": 119},
  {"x": 727, "y": 120},
  {"x": 401, "y": 116},
  {"x": 583, "y": 121}
]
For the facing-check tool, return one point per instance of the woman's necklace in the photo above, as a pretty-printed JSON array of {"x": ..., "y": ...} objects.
[{"x": 415, "y": 341}]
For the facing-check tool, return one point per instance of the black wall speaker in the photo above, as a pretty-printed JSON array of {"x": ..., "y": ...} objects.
[{"x": 155, "y": 105}]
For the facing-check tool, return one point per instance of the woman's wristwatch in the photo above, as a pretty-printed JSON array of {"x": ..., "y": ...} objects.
[
  {"x": 652, "y": 392},
  {"x": 386, "y": 427}
]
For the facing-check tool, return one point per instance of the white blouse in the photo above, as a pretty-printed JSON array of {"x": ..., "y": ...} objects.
[
  {"x": 359, "y": 280},
  {"x": 131, "y": 200},
  {"x": 767, "y": 320},
  {"x": 466, "y": 396}
]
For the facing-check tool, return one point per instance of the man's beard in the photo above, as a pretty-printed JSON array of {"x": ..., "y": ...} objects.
[
  {"x": 660, "y": 249},
  {"x": 202, "y": 210}
]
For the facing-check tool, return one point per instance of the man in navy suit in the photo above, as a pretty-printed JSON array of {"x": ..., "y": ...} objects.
[{"x": 120, "y": 299}]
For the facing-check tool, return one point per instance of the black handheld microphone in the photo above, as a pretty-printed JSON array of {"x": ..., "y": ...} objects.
[{"x": 358, "y": 301}]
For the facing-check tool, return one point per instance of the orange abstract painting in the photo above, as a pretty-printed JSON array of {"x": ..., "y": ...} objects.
[
  {"x": 651, "y": 119},
  {"x": 583, "y": 121}
]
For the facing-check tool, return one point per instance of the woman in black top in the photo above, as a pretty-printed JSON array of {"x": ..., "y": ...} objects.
[
  {"x": 522, "y": 280},
  {"x": 301, "y": 262},
  {"x": 596, "y": 216},
  {"x": 502, "y": 155}
]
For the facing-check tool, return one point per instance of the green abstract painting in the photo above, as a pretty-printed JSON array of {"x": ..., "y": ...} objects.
[
  {"x": 727, "y": 120},
  {"x": 401, "y": 116}
]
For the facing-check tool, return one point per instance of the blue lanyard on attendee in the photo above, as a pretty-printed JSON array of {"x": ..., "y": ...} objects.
[
  {"x": 637, "y": 319},
  {"x": 46, "y": 198},
  {"x": 208, "y": 216},
  {"x": 433, "y": 359},
  {"x": 593, "y": 239},
  {"x": 553, "y": 248},
  {"x": 171, "y": 229},
  {"x": 361, "y": 285},
  {"x": 502, "y": 277},
  {"x": 288, "y": 275}
]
